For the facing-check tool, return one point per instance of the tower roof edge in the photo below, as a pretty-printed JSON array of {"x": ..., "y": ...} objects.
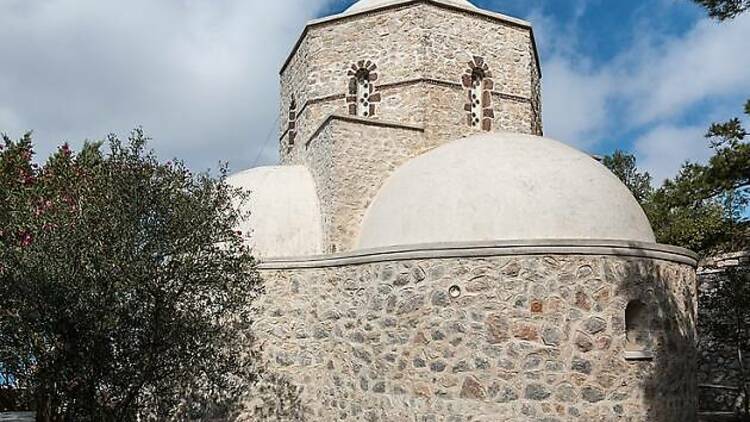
[{"x": 447, "y": 4}]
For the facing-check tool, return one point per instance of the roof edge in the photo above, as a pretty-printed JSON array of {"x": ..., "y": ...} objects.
[
  {"x": 330, "y": 118},
  {"x": 440, "y": 3},
  {"x": 488, "y": 249}
]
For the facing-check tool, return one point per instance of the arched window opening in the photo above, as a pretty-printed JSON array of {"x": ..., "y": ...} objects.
[
  {"x": 475, "y": 96},
  {"x": 363, "y": 94},
  {"x": 477, "y": 79},
  {"x": 292, "y": 125},
  {"x": 639, "y": 339}
]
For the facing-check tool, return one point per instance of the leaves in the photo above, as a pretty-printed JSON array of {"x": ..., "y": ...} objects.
[
  {"x": 703, "y": 208},
  {"x": 125, "y": 286},
  {"x": 623, "y": 165},
  {"x": 725, "y": 9}
]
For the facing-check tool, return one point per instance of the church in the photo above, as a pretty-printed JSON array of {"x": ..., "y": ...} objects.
[{"x": 429, "y": 255}]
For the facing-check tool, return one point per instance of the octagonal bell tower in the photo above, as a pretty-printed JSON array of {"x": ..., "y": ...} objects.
[{"x": 366, "y": 90}]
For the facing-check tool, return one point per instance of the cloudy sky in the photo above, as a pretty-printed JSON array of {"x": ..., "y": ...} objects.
[{"x": 200, "y": 76}]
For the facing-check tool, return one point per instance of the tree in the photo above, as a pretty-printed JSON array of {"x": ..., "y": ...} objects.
[
  {"x": 703, "y": 208},
  {"x": 125, "y": 288},
  {"x": 623, "y": 165},
  {"x": 683, "y": 214},
  {"x": 675, "y": 221},
  {"x": 727, "y": 176},
  {"x": 724, "y": 9}
]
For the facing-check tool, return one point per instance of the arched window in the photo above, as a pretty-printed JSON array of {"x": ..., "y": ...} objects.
[
  {"x": 292, "y": 125},
  {"x": 477, "y": 79},
  {"x": 638, "y": 334},
  {"x": 363, "y": 95},
  {"x": 475, "y": 96}
]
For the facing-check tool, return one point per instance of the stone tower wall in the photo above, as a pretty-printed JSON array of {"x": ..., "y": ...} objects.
[
  {"x": 530, "y": 338},
  {"x": 351, "y": 157},
  {"x": 536, "y": 94},
  {"x": 422, "y": 52},
  {"x": 454, "y": 39},
  {"x": 330, "y": 49}
]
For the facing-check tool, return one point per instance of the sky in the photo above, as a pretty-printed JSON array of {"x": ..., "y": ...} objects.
[{"x": 201, "y": 77}]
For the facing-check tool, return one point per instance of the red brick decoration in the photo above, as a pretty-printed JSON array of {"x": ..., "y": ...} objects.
[
  {"x": 292, "y": 121},
  {"x": 477, "y": 79},
  {"x": 292, "y": 125},
  {"x": 363, "y": 94}
]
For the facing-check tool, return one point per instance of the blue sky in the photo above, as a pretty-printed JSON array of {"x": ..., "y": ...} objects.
[{"x": 647, "y": 76}]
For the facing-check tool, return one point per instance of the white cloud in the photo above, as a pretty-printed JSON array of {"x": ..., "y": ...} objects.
[
  {"x": 10, "y": 121},
  {"x": 710, "y": 61},
  {"x": 201, "y": 77},
  {"x": 664, "y": 149},
  {"x": 653, "y": 85},
  {"x": 575, "y": 102}
]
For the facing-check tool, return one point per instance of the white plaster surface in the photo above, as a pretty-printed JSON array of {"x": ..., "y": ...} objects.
[
  {"x": 372, "y": 4},
  {"x": 284, "y": 215},
  {"x": 502, "y": 186}
]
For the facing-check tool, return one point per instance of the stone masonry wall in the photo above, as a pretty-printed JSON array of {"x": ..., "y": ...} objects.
[
  {"x": 718, "y": 369},
  {"x": 421, "y": 51},
  {"x": 452, "y": 38},
  {"x": 408, "y": 44},
  {"x": 529, "y": 338},
  {"x": 387, "y": 39},
  {"x": 536, "y": 95},
  {"x": 349, "y": 161}
]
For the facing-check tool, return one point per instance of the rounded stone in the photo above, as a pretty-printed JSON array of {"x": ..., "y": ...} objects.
[
  {"x": 472, "y": 389},
  {"x": 592, "y": 394},
  {"x": 581, "y": 365},
  {"x": 551, "y": 336},
  {"x": 537, "y": 392},
  {"x": 437, "y": 366},
  {"x": 595, "y": 325}
]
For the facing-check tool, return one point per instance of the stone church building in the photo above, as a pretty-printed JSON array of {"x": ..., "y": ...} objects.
[{"x": 430, "y": 256}]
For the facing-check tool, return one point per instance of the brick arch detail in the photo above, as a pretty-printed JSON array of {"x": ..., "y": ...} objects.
[
  {"x": 356, "y": 69},
  {"x": 292, "y": 121},
  {"x": 478, "y": 65}
]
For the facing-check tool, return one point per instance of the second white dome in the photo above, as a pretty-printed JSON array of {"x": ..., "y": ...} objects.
[{"x": 501, "y": 187}]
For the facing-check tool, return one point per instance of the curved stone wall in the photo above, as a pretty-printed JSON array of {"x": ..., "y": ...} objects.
[{"x": 535, "y": 333}]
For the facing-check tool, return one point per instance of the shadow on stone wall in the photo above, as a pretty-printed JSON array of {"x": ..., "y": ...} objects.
[
  {"x": 719, "y": 371},
  {"x": 669, "y": 380}
]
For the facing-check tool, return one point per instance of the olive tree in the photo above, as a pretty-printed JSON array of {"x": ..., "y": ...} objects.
[{"x": 125, "y": 290}]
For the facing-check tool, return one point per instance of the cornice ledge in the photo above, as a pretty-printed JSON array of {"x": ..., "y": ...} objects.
[
  {"x": 362, "y": 120},
  {"x": 407, "y": 82},
  {"x": 488, "y": 249}
]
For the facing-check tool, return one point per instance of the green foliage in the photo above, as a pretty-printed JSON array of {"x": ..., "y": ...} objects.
[
  {"x": 704, "y": 207},
  {"x": 125, "y": 287},
  {"x": 724, "y": 9},
  {"x": 680, "y": 217},
  {"x": 623, "y": 165},
  {"x": 729, "y": 168}
]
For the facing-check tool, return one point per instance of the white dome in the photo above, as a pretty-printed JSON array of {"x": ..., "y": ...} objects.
[
  {"x": 284, "y": 218},
  {"x": 371, "y": 4},
  {"x": 502, "y": 187}
]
